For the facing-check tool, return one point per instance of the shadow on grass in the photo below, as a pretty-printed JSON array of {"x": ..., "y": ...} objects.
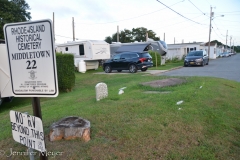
[{"x": 16, "y": 101}]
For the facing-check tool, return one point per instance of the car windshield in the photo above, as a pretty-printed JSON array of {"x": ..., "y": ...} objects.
[{"x": 195, "y": 53}]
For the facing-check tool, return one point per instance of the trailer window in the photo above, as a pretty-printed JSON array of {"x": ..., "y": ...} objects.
[
  {"x": 81, "y": 49},
  {"x": 66, "y": 48}
]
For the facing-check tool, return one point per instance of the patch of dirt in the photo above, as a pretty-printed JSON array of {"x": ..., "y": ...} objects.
[{"x": 164, "y": 82}]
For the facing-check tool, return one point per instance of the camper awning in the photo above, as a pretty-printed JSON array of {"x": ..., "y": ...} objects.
[{"x": 135, "y": 47}]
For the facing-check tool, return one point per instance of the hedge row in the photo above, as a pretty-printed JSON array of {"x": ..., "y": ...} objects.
[
  {"x": 155, "y": 56},
  {"x": 65, "y": 71}
]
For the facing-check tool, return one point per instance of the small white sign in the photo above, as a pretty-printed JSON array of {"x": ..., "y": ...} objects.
[
  {"x": 27, "y": 130},
  {"x": 32, "y": 59}
]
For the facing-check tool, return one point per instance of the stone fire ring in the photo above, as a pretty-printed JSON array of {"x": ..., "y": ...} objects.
[{"x": 70, "y": 128}]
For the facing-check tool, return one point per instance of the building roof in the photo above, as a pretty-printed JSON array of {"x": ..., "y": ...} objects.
[
  {"x": 187, "y": 43},
  {"x": 211, "y": 44}
]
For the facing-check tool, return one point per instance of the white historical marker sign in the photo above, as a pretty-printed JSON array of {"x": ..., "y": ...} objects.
[
  {"x": 32, "y": 59},
  {"x": 27, "y": 130}
]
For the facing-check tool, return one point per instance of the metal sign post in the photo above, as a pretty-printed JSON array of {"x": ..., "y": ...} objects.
[{"x": 37, "y": 112}]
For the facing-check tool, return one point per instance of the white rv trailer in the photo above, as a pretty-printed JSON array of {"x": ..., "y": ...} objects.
[
  {"x": 158, "y": 46},
  {"x": 90, "y": 52},
  {"x": 5, "y": 79}
]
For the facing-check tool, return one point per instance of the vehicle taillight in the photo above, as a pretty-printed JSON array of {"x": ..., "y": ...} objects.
[{"x": 142, "y": 59}]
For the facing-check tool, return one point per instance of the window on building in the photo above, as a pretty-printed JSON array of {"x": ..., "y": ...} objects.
[
  {"x": 66, "y": 48},
  {"x": 81, "y": 49}
]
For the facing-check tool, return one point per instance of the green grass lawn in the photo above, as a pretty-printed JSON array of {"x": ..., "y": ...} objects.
[
  {"x": 136, "y": 125},
  {"x": 168, "y": 65}
]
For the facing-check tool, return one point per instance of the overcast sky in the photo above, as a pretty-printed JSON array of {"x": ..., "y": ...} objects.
[{"x": 97, "y": 19}]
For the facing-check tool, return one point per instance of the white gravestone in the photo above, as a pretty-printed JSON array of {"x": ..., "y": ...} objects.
[{"x": 101, "y": 91}]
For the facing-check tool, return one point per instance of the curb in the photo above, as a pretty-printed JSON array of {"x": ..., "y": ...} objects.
[
  {"x": 175, "y": 68},
  {"x": 168, "y": 70}
]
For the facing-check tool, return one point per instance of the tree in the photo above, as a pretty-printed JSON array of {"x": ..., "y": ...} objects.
[
  {"x": 237, "y": 49},
  {"x": 125, "y": 36},
  {"x": 108, "y": 39},
  {"x": 152, "y": 35},
  {"x": 13, "y": 11},
  {"x": 137, "y": 34},
  {"x": 218, "y": 43}
]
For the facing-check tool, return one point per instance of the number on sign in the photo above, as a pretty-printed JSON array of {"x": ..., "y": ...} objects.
[{"x": 29, "y": 64}]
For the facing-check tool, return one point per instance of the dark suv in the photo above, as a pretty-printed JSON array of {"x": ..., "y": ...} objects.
[{"x": 131, "y": 61}]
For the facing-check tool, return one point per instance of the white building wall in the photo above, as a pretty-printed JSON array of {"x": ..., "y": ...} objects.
[
  {"x": 175, "y": 53},
  {"x": 180, "y": 50}
]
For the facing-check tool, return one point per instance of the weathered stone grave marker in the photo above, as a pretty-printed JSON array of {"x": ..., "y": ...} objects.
[{"x": 101, "y": 91}]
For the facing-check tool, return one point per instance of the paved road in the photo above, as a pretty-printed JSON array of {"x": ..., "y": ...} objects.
[{"x": 228, "y": 68}]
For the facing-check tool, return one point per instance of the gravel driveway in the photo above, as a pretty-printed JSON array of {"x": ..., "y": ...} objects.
[{"x": 227, "y": 68}]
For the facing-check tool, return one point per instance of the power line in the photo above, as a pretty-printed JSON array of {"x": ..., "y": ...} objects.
[
  {"x": 231, "y": 12},
  {"x": 179, "y": 13},
  {"x": 208, "y": 2},
  {"x": 217, "y": 34},
  {"x": 197, "y": 8},
  {"x": 70, "y": 37},
  {"x": 177, "y": 23},
  {"x": 63, "y": 36},
  {"x": 218, "y": 29},
  {"x": 130, "y": 18}
]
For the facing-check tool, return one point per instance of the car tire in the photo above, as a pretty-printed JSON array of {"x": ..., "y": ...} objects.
[
  {"x": 132, "y": 68},
  {"x": 144, "y": 69},
  {"x": 119, "y": 70},
  {"x": 108, "y": 69}
]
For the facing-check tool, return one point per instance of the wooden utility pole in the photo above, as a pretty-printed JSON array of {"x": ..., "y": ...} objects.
[
  {"x": 230, "y": 41},
  {"x": 53, "y": 28},
  {"x": 117, "y": 33},
  {"x": 210, "y": 29},
  {"x": 73, "y": 28},
  {"x": 226, "y": 39}
]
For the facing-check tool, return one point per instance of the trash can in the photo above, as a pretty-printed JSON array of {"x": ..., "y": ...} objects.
[{"x": 82, "y": 66}]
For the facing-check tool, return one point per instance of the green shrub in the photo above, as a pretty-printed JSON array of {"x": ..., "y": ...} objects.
[
  {"x": 175, "y": 60},
  {"x": 65, "y": 71},
  {"x": 154, "y": 54}
]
